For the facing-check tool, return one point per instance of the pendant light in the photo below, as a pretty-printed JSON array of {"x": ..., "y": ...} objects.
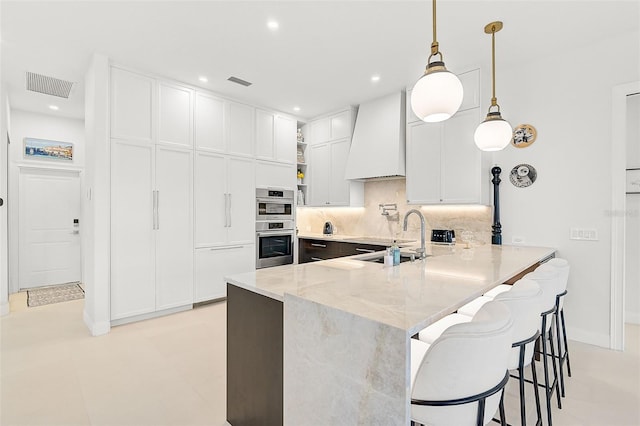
[
  {"x": 438, "y": 93},
  {"x": 494, "y": 133}
]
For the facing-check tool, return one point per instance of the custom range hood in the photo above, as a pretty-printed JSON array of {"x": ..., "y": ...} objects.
[{"x": 378, "y": 143}]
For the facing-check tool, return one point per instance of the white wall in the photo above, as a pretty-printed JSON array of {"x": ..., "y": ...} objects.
[
  {"x": 632, "y": 231},
  {"x": 32, "y": 125},
  {"x": 4, "y": 265},
  {"x": 567, "y": 97}
]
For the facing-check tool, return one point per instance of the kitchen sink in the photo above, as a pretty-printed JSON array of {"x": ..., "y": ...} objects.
[{"x": 404, "y": 257}]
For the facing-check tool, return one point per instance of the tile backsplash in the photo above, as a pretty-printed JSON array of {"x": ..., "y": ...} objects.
[{"x": 368, "y": 221}]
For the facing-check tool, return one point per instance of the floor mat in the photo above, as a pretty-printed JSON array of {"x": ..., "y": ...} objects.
[{"x": 54, "y": 294}]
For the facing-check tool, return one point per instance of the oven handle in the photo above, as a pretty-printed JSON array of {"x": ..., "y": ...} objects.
[
  {"x": 268, "y": 200},
  {"x": 225, "y": 248},
  {"x": 274, "y": 233}
]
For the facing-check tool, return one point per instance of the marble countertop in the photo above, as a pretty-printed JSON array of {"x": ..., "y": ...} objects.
[
  {"x": 409, "y": 296},
  {"x": 358, "y": 239}
]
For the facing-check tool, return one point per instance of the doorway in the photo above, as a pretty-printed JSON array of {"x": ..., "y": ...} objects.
[
  {"x": 632, "y": 212},
  {"x": 49, "y": 227}
]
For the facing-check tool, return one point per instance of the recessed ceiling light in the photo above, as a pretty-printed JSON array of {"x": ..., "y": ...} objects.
[
  {"x": 54, "y": 107},
  {"x": 273, "y": 25},
  {"x": 296, "y": 108},
  {"x": 203, "y": 79},
  {"x": 375, "y": 78}
]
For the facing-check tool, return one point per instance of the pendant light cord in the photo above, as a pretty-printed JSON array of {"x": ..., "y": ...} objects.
[
  {"x": 434, "y": 44},
  {"x": 494, "y": 100}
]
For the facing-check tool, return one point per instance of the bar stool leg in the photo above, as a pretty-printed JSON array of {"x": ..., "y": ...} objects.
[
  {"x": 503, "y": 416},
  {"x": 545, "y": 363},
  {"x": 566, "y": 346},
  {"x": 555, "y": 368},
  {"x": 560, "y": 355},
  {"x": 536, "y": 392},
  {"x": 523, "y": 415}
]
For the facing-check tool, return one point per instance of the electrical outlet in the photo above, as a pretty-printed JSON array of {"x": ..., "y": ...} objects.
[
  {"x": 518, "y": 240},
  {"x": 584, "y": 234}
]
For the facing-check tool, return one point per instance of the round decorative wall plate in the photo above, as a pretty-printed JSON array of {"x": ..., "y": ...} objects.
[
  {"x": 523, "y": 175},
  {"x": 524, "y": 135}
]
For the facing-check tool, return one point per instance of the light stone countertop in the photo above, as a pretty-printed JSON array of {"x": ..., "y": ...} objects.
[
  {"x": 358, "y": 239},
  {"x": 409, "y": 296}
]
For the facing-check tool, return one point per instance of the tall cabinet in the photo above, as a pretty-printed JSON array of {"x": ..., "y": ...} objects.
[{"x": 151, "y": 196}]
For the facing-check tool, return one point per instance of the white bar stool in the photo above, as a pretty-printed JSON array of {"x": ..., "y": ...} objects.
[
  {"x": 460, "y": 377},
  {"x": 563, "y": 268}
]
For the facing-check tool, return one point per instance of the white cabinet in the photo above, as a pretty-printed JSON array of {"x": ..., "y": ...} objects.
[
  {"x": 209, "y": 123},
  {"x": 443, "y": 164},
  {"x": 471, "y": 98},
  {"x": 332, "y": 127},
  {"x": 174, "y": 227},
  {"x": 214, "y": 263},
  {"x": 224, "y": 200},
  {"x": 275, "y": 175},
  {"x": 239, "y": 128},
  {"x": 285, "y": 139},
  {"x": 175, "y": 115},
  {"x": 264, "y": 134},
  {"x": 151, "y": 245},
  {"x": 328, "y": 187},
  {"x": 275, "y": 137},
  {"x": 132, "y": 105}
]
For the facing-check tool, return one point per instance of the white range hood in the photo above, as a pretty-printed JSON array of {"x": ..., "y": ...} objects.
[{"x": 378, "y": 143}]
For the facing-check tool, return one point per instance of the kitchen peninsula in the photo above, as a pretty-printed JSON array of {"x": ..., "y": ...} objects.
[{"x": 329, "y": 342}]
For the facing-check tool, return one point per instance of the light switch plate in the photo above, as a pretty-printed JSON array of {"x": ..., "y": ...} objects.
[{"x": 584, "y": 234}]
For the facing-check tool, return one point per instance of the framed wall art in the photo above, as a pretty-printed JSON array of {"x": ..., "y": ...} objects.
[
  {"x": 43, "y": 149},
  {"x": 524, "y": 135}
]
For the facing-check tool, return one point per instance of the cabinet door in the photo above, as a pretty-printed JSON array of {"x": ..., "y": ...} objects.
[
  {"x": 239, "y": 124},
  {"x": 213, "y": 264},
  {"x": 461, "y": 159},
  {"x": 275, "y": 175},
  {"x": 319, "y": 174},
  {"x": 285, "y": 136},
  {"x": 132, "y": 233},
  {"x": 242, "y": 201},
  {"x": 341, "y": 125},
  {"x": 174, "y": 230},
  {"x": 423, "y": 163},
  {"x": 176, "y": 112},
  {"x": 321, "y": 131},
  {"x": 264, "y": 135},
  {"x": 209, "y": 126},
  {"x": 339, "y": 187},
  {"x": 210, "y": 200},
  {"x": 132, "y": 99},
  {"x": 411, "y": 117}
]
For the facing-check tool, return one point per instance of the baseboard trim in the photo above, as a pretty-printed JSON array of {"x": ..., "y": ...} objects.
[
  {"x": 150, "y": 315},
  {"x": 96, "y": 328},
  {"x": 632, "y": 317},
  {"x": 585, "y": 336}
]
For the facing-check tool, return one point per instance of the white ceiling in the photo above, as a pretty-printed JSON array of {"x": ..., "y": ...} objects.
[{"x": 321, "y": 58}]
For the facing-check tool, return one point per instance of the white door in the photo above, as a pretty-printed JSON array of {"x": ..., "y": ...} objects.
[
  {"x": 210, "y": 200},
  {"x": 49, "y": 241},
  {"x": 241, "y": 200}
]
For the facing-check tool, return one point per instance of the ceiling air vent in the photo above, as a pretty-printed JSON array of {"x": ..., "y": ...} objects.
[
  {"x": 239, "y": 81},
  {"x": 48, "y": 85}
]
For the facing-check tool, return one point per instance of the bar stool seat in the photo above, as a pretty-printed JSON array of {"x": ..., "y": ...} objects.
[
  {"x": 474, "y": 306},
  {"x": 497, "y": 290},
  {"x": 435, "y": 330}
]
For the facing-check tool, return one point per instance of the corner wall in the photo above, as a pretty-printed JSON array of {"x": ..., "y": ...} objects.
[{"x": 567, "y": 97}]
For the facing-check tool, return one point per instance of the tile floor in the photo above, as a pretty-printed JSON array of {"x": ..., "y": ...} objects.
[{"x": 171, "y": 371}]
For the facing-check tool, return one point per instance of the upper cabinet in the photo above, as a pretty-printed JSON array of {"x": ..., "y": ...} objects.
[
  {"x": 471, "y": 99},
  {"x": 209, "y": 134},
  {"x": 239, "y": 125},
  {"x": 275, "y": 137},
  {"x": 444, "y": 166},
  {"x": 332, "y": 127},
  {"x": 132, "y": 105},
  {"x": 176, "y": 115}
]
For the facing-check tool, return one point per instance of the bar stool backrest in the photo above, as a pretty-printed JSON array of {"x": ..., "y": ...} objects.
[
  {"x": 562, "y": 265},
  {"x": 466, "y": 360},
  {"x": 548, "y": 279},
  {"x": 525, "y": 301}
]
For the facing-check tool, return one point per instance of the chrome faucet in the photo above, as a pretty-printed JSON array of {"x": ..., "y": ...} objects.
[{"x": 423, "y": 230}]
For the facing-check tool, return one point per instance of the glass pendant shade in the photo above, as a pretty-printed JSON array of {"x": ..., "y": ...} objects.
[
  {"x": 437, "y": 95},
  {"x": 493, "y": 134}
]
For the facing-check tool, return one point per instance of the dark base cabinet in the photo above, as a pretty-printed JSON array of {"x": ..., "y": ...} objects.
[
  {"x": 315, "y": 250},
  {"x": 254, "y": 359}
]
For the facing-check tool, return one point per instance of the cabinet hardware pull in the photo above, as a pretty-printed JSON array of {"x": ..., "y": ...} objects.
[
  {"x": 316, "y": 258},
  {"x": 230, "y": 210},
  {"x": 154, "y": 209},
  {"x": 365, "y": 250},
  {"x": 225, "y": 248},
  {"x": 157, "y": 209},
  {"x": 226, "y": 210},
  {"x": 318, "y": 245}
]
